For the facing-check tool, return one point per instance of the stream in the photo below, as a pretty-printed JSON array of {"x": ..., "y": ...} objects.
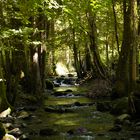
[
  {"x": 72, "y": 116},
  {"x": 67, "y": 114}
]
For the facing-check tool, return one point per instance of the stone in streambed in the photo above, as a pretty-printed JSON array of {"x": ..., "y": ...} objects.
[
  {"x": 116, "y": 128},
  {"x": 2, "y": 131},
  {"x": 9, "y": 137},
  {"x": 49, "y": 85},
  {"x": 103, "y": 106},
  {"x": 48, "y": 132},
  {"x": 122, "y": 119}
]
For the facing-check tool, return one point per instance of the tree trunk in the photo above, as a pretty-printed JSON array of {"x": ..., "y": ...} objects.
[
  {"x": 76, "y": 61},
  {"x": 126, "y": 72},
  {"x": 100, "y": 71},
  {"x": 115, "y": 26},
  {"x": 4, "y": 104}
]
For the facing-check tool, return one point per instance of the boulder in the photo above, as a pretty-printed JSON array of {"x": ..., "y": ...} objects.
[
  {"x": 9, "y": 137},
  {"x": 122, "y": 119},
  {"x": 120, "y": 106},
  {"x": 136, "y": 102},
  {"x": 49, "y": 85},
  {"x": 77, "y": 104},
  {"x": 2, "y": 130},
  {"x": 25, "y": 137},
  {"x": 68, "y": 90},
  {"x": 48, "y": 132},
  {"x": 59, "y": 93},
  {"x": 15, "y": 132},
  {"x": 24, "y": 115},
  {"x": 70, "y": 75},
  {"x": 116, "y": 128},
  {"x": 103, "y": 106}
]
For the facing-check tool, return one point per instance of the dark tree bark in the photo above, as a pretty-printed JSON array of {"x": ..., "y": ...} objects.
[
  {"x": 126, "y": 72},
  {"x": 76, "y": 60},
  {"x": 115, "y": 26},
  {"x": 96, "y": 60}
]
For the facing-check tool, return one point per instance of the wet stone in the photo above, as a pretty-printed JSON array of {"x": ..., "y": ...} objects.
[
  {"x": 25, "y": 137},
  {"x": 116, "y": 128},
  {"x": 16, "y": 132},
  {"x": 68, "y": 90},
  {"x": 77, "y": 104},
  {"x": 48, "y": 132}
]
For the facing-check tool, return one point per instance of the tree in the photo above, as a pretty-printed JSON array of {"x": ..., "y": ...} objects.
[{"x": 126, "y": 72}]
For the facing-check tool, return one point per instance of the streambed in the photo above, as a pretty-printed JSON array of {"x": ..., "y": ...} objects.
[
  {"x": 81, "y": 121},
  {"x": 67, "y": 114}
]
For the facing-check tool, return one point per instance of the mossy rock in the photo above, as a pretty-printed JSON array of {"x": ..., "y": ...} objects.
[
  {"x": 49, "y": 84},
  {"x": 136, "y": 101},
  {"x": 2, "y": 131},
  {"x": 120, "y": 106}
]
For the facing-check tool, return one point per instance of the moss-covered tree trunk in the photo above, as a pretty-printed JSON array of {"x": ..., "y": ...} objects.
[
  {"x": 76, "y": 60},
  {"x": 115, "y": 26},
  {"x": 99, "y": 68},
  {"x": 4, "y": 104},
  {"x": 126, "y": 72}
]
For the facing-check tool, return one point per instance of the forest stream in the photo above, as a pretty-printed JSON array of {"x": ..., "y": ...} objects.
[{"x": 68, "y": 115}]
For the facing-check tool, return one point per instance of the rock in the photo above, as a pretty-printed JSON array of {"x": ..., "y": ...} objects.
[
  {"x": 30, "y": 108},
  {"x": 122, "y": 118},
  {"x": 137, "y": 126},
  {"x": 116, "y": 128},
  {"x": 49, "y": 85},
  {"x": 68, "y": 90},
  {"x": 77, "y": 104},
  {"x": 48, "y": 132},
  {"x": 7, "y": 120},
  {"x": 70, "y": 75},
  {"x": 68, "y": 81},
  {"x": 120, "y": 106},
  {"x": 24, "y": 115},
  {"x": 59, "y": 80},
  {"x": 16, "y": 132},
  {"x": 101, "y": 134},
  {"x": 6, "y": 112},
  {"x": 69, "y": 95},
  {"x": 23, "y": 125},
  {"x": 49, "y": 109},
  {"x": 56, "y": 84},
  {"x": 59, "y": 93},
  {"x": 77, "y": 131},
  {"x": 25, "y": 137},
  {"x": 8, "y": 126},
  {"x": 9, "y": 137},
  {"x": 2, "y": 130},
  {"x": 103, "y": 106},
  {"x": 71, "y": 132},
  {"x": 136, "y": 101}
]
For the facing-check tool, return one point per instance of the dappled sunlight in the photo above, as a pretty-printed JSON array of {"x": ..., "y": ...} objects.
[
  {"x": 64, "y": 101},
  {"x": 67, "y": 122},
  {"x": 69, "y": 119},
  {"x": 64, "y": 88}
]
